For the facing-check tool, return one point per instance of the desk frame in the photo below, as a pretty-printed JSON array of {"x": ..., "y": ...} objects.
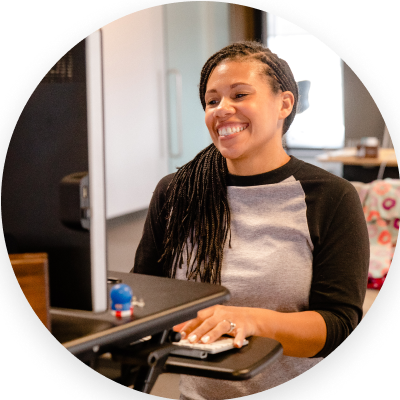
[{"x": 122, "y": 337}]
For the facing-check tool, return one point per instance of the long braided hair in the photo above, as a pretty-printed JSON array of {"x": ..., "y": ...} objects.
[{"x": 196, "y": 207}]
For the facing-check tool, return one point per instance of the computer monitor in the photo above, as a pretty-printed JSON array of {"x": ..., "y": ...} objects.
[{"x": 60, "y": 132}]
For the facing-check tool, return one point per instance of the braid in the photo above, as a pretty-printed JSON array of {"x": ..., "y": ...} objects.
[
  {"x": 198, "y": 217},
  {"x": 196, "y": 207}
]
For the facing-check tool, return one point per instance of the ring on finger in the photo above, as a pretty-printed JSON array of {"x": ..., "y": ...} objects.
[{"x": 232, "y": 325}]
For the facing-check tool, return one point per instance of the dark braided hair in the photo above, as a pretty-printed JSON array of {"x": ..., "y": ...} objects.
[
  {"x": 277, "y": 70},
  {"x": 196, "y": 207}
]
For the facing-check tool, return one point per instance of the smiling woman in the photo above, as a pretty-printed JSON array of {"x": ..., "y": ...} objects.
[
  {"x": 288, "y": 239},
  {"x": 247, "y": 135}
]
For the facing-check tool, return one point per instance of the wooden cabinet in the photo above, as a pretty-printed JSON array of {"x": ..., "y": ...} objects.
[{"x": 31, "y": 270}]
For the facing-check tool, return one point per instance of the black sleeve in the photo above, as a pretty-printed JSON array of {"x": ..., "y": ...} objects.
[
  {"x": 340, "y": 259},
  {"x": 150, "y": 248}
]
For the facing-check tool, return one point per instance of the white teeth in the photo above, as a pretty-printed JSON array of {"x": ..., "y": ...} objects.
[{"x": 230, "y": 130}]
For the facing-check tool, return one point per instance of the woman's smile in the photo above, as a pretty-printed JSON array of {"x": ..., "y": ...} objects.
[
  {"x": 229, "y": 129},
  {"x": 245, "y": 117}
]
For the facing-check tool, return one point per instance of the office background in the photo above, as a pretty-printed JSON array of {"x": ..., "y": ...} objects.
[
  {"x": 361, "y": 117},
  {"x": 119, "y": 222},
  {"x": 347, "y": 118}
]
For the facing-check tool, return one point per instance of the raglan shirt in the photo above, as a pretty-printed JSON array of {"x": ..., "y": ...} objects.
[{"x": 299, "y": 242}]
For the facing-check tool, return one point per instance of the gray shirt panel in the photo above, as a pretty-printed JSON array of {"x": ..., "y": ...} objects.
[
  {"x": 340, "y": 265},
  {"x": 268, "y": 266}
]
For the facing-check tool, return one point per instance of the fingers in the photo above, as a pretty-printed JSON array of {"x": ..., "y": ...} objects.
[
  {"x": 239, "y": 338},
  {"x": 178, "y": 327},
  {"x": 210, "y": 330},
  {"x": 195, "y": 329},
  {"x": 213, "y": 322},
  {"x": 187, "y": 327}
]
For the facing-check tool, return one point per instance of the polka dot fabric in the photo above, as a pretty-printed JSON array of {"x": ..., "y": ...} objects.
[{"x": 381, "y": 204}]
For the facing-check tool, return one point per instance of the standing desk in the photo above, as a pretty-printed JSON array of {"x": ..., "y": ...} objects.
[
  {"x": 347, "y": 156},
  {"x": 363, "y": 169},
  {"x": 167, "y": 302}
]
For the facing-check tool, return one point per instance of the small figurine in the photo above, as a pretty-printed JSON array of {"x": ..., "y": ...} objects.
[{"x": 121, "y": 300}]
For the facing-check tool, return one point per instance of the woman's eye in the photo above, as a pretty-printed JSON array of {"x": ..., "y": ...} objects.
[
  {"x": 239, "y": 95},
  {"x": 212, "y": 102}
]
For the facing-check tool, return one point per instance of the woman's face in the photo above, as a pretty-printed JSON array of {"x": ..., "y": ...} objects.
[{"x": 244, "y": 117}]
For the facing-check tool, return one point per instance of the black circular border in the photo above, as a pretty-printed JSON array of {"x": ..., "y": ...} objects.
[{"x": 81, "y": 382}]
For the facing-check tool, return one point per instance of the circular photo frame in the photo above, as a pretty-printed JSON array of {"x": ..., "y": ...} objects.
[{"x": 80, "y": 381}]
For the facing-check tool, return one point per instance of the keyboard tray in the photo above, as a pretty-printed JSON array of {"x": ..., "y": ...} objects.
[{"x": 235, "y": 364}]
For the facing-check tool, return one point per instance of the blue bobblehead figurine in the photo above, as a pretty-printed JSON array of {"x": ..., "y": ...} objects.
[{"x": 121, "y": 300}]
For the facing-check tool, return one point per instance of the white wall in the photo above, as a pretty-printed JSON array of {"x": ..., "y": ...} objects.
[
  {"x": 134, "y": 109},
  {"x": 193, "y": 32}
]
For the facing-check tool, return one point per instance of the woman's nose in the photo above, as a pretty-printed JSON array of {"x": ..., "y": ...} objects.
[{"x": 224, "y": 108}]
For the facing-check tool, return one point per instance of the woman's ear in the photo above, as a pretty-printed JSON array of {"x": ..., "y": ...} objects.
[{"x": 287, "y": 104}]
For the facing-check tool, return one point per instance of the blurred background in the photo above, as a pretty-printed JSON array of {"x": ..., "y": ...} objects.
[
  {"x": 152, "y": 64},
  {"x": 154, "y": 123}
]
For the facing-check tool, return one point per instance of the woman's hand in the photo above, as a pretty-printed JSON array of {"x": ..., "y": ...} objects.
[
  {"x": 213, "y": 322},
  {"x": 302, "y": 334}
]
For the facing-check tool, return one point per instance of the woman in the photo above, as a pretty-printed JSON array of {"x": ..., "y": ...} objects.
[{"x": 287, "y": 239}]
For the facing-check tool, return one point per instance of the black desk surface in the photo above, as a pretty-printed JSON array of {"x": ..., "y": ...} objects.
[{"x": 167, "y": 302}]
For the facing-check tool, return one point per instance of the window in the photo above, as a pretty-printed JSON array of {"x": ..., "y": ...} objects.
[{"x": 321, "y": 126}]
